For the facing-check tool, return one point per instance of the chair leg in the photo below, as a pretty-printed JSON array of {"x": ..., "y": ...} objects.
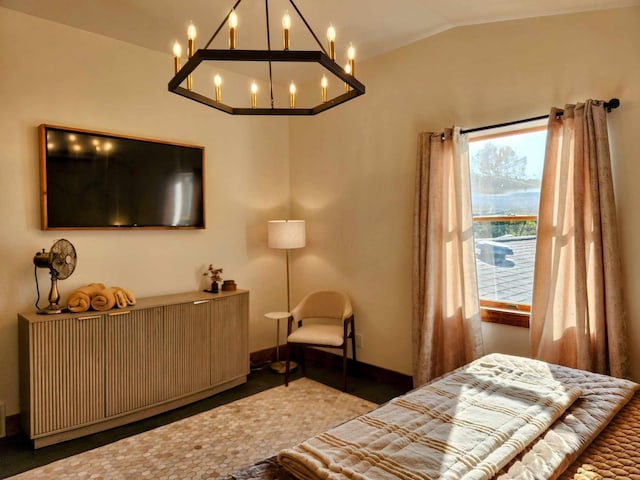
[
  {"x": 303, "y": 366},
  {"x": 344, "y": 367},
  {"x": 286, "y": 365},
  {"x": 353, "y": 339}
]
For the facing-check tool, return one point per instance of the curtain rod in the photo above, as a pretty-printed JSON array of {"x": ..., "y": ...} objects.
[{"x": 610, "y": 105}]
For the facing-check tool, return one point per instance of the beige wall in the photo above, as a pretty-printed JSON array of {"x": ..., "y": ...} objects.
[
  {"x": 352, "y": 169},
  {"x": 59, "y": 75}
]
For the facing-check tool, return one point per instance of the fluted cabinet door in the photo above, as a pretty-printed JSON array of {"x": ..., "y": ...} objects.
[
  {"x": 67, "y": 364},
  {"x": 187, "y": 347},
  {"x": 230, "y": 338},
  {"x": 135, "y": 359}
]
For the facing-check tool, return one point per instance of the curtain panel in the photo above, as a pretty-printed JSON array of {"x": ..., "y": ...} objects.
[
  {"x": 446, "y": 310},
  {"x": 577, "y": 314}
]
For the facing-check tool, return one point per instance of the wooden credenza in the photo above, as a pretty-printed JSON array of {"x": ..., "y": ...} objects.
[{"x": 81, "y": 373}]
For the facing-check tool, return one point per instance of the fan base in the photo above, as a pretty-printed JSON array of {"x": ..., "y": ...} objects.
[{"x": 51, "y": 309}]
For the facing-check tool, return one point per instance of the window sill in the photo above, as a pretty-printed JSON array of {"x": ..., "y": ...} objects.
[{"x": 505, "y": 317}]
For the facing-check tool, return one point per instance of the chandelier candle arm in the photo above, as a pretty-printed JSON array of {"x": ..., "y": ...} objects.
[
  {"x": 347, "y": 69},
  {"x": 286, "y": 25},
  {"x": 324, "y": 83},
  {"x": 233, "y": 25},
  {"x": 177, "y": 53},
  {"x": 331, "y": 36},
  {"x": 254, "y": 95},
  {"x": 351, "y": 55},
  {"x": 292, "y": 95},
  {"x": 217, "y": 81},
  {"x": 191, "y": 35}
]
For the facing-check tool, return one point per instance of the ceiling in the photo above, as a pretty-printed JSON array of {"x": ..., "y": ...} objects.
[{"x": 374, "y": 26}]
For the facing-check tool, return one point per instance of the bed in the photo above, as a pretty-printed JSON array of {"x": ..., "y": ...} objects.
[{"x": 499, "y": 417}]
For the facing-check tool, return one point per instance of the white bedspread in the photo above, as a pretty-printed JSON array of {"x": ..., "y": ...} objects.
[
  {"x": 466, "y": 425},
  {"x": 602, "y": 398}
]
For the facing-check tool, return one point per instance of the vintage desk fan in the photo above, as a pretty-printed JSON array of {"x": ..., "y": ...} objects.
[{"x": 61, "y": 262}]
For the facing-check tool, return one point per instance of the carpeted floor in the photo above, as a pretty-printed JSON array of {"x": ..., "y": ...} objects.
[{"x": 213, "y": 444}]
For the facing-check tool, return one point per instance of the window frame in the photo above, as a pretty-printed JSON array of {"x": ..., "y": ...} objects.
[{"x": 493, "y": 311}]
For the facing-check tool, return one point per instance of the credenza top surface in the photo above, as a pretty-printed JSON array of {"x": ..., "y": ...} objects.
[{"x": 141, "y": 303}]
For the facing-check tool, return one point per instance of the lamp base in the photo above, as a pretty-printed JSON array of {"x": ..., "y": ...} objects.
[{"x": 281, "y": 366}]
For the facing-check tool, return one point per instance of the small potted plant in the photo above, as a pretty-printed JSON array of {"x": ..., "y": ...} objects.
[{"x": 215, "y": 275}]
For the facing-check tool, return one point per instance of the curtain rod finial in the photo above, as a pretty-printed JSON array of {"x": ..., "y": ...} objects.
[{"x": 611, "y": 104}]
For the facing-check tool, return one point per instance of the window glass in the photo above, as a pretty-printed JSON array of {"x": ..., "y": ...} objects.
[{"x": 506, "y": 171}]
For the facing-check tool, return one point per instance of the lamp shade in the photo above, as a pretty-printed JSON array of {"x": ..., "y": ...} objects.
[{"x": 286, "y": 234}]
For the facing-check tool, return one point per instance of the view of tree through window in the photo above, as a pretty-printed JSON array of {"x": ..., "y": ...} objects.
[{"x": 506, "y": 171}]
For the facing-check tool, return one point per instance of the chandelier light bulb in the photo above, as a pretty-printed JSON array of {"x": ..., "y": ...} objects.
[
  {"x": 177, "y": 49},
  {"x": 217, "y": 80},
  {"x": 191, "y": 32},
  {"x": 331, "y": 33},
  {"x": 233, "y": 19}
]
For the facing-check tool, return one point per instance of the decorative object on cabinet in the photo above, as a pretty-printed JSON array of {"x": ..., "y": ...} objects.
[
  {"x": 228, "y": 286},
  {"x": 215, "y": 276},
  {"x": 286, "y": 63},
  {"x": 96, "y": 297},
  {"x": 61, "y": 262},
  {"x": 286, "y": 234},
  {"x": 80, "y": 374},
  {"x": 80, "y": 298}
]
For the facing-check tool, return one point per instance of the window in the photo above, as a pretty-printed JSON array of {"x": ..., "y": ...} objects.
[{"x": 506, "y": 171}]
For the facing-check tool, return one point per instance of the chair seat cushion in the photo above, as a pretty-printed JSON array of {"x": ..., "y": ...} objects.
[{"x": 318, "y": 334}]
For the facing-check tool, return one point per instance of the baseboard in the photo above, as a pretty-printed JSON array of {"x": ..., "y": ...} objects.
[
  {"x": 262, "y": 358},
  {"x": 13, "y": 425}
]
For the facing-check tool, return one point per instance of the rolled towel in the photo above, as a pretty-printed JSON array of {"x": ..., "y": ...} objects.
[
  {"x": 121, "y": 300},
  {"x": 131, "y": 299},
  {"x": 80, "y": 299},
  {"x": 105, "y": 299},
  {"x": 79, "y": 302}
]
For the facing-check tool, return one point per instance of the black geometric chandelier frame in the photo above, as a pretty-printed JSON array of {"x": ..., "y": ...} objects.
[{"x": 353, "y": 87}]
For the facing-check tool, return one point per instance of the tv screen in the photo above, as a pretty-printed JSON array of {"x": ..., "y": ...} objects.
[{"x": 95, "y": 180}]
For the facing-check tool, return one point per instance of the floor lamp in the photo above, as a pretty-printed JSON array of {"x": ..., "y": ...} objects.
[{"x": 285, "y": 235}]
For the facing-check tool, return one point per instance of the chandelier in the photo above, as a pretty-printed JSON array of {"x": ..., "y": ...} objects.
[{"x": 336, "y": 85}]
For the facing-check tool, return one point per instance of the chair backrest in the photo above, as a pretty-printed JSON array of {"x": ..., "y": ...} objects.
[{"x": 323, "y": 304}]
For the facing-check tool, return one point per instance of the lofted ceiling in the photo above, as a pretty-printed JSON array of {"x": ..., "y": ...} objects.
[{"x": 374, "y": 26}]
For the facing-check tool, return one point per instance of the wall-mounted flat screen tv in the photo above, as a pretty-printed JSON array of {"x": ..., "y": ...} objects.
[{"x": 97, "y": 180}]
